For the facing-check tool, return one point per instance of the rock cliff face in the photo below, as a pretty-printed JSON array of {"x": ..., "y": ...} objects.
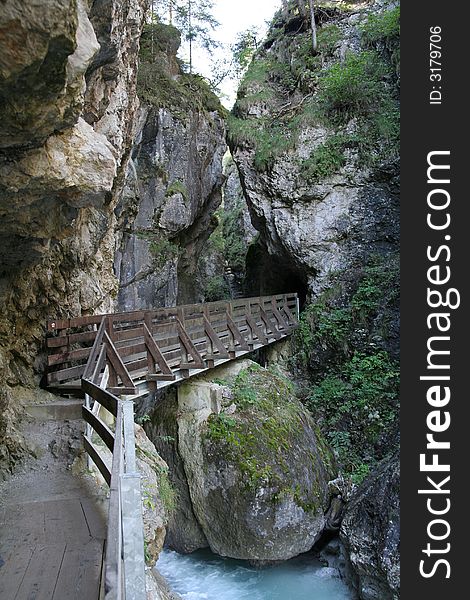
[
  {"x": 172, "y": 190},
  {"x": 68, "y": 96},
  {"x": 370, "y": 532},
  {"x": 255, "y": 466},
  {"x": 174, "y": 180},
  {"x": 315, "y": 140}
]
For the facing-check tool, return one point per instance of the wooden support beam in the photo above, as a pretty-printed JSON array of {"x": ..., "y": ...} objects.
[
  {"x": 189, "y": 348},
  {"x": 255, "y": 330},
  {"x": 95, "y": 351},
  {"x": 155, "y": 353},
  {"x": 116, "y": 363},
  {"x": 160, "y": 377},
  {"x": 282, "y": 323},
  {"x": 270, "y": 326},
  {"x": 236, "y": 334},
  {"x": 214, "y": 339},
  {"x": 291, "y": 319}
]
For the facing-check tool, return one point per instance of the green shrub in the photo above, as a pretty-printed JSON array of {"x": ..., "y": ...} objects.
[
  {"x": 356, "y": 406},
  {"x": 354, "y": 86},
  {"x": 324, "y": 160},
  {"x": 216, "y": 289},
  {"x": 384, "y": 27}
]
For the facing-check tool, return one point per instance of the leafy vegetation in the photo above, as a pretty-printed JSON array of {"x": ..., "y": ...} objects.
[
  {"x": 356, "y": 405},
  {"x": 324, "y": 160},
  {"x": 157, "y": 85},
  {"x": 382, "y": 27},
  {"x": 216, "y": 289},
  {"x": 317, "y": 89},
  {"x": 354, "y": 380}
]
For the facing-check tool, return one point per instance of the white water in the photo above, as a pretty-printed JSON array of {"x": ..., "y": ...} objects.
[{"x": 205, "y": 576}]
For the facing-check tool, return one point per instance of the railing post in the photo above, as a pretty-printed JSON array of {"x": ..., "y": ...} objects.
[{"x": 131, "y": 503}]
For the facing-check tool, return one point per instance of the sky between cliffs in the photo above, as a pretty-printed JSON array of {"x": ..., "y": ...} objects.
[{"x": 235, "y": 16}]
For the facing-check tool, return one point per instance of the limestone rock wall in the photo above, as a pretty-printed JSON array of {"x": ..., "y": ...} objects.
[
  {"x": 370, "y": 532},
  {"x": 68, "y": 96},
  {"x": 173, "y": 188},
  {"x": 320, "y": 181}
]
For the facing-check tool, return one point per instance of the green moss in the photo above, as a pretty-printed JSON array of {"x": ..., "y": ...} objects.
[
  {"x": 177, "y": 187},
  {"x": 264, "y": 432},
  {"x": 157, "y": 86},
  {"x": 263, "y": 428}
]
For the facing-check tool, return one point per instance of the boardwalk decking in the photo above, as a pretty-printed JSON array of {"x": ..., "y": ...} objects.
[{"x": 52, "y": 532}]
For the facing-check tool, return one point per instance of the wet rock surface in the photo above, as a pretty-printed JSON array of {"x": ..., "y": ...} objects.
[{"x": 370, "y": 532}]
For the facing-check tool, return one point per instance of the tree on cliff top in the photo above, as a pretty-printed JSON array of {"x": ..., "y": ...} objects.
[{"x": 193, "y": 18}]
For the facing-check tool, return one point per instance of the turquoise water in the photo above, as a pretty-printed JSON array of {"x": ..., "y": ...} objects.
[{"x": 205, "y": 576}]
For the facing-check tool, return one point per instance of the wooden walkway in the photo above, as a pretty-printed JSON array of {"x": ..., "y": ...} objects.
[
  {"x": 52, "y": 533},
  {"x": 149, "y": 350}
]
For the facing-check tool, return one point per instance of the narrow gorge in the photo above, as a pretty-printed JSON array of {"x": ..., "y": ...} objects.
[{"x": 126, "y": 185}]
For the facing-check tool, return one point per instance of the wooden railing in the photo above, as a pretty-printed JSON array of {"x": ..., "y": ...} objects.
[
  {"x": 110, "y": 355},
  {"x": 159, "y": 347},
  {"x": 124, "y": 564}
]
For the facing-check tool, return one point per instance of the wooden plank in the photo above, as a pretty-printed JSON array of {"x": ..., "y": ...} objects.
[
  {"x": 13, "y": 570},
  {"x": 96, "y": 458},
  {"x": 101, "y": 428},
  {"x": 68, "y": 340},
  {"x": 64, "y": 520},
  {"x": 65, "y": 374},
  {"x": 106, "y": 399},
  {"x": 131, "y": 349},
  {"x": 57, "y": 359},
  {"x": 79, "y": 576},
  {"x": 41, "y": 575},
  {"x": 95, "y": 510},
  {"x": 88, "y": 320},
  {"x": 160, "y": 377},
  {"x": 120, "y": 391},
  {"x": 57, "y": 324}
]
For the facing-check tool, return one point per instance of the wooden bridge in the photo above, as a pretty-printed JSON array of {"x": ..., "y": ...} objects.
[
  {"x": 149, "y": 350},
  {"x": 116, "y": 358}
]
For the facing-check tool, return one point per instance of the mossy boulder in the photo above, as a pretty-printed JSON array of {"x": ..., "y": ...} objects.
[{"x": 256, "y": 466}]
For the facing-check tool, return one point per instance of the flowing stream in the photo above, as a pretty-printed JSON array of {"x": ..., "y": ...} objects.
[{"x": 205, "y": 576}]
